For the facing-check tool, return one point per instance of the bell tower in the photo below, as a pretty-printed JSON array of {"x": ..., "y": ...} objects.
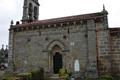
[{"x": 30, "y": 11}]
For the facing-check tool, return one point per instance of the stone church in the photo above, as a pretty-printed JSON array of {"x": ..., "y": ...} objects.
[{"x": 61, "y": 42}]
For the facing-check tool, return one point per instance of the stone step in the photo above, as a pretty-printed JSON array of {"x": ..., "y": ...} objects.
[{"x": 54, "y": 77}]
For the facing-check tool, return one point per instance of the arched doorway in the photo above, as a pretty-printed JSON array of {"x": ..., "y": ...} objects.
[
  {"x": 56, "y": 57},
  {"x": 57, "y": 62}
]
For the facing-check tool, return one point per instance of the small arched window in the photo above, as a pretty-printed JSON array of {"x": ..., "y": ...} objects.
[
  {"x": 30, "y": 10},
  {"x": 35, "y": 12},
  {"x": 76, "y": 66}
]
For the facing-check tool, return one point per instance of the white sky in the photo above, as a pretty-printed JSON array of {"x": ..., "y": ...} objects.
[{"x": 12, "y": 10}]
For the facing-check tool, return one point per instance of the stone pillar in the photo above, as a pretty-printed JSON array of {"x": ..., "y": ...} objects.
[
  {"x": 49, "y": 61},
  {"x": 25, "y": 14},
  {"x": 64, "y": 59},
  {"x": 92, "y": 55},
  {"x": 103, "y": 47},
  {"x": 10, "y": 53}
]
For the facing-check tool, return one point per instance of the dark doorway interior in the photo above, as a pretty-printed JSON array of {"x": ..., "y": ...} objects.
[{"x": 57, "y": 62}]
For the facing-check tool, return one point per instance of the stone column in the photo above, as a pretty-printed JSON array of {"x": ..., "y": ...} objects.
[
  {"x": 49, "y": 61},
  {"x": 10, "y": 53},
  {"x": 92, "y": 55}
]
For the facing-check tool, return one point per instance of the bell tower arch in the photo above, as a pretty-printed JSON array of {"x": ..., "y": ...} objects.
[{"x": 30, "y": 10}]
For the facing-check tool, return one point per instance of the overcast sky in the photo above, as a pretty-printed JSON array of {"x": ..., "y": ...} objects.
[{"x": 12, "y": 10}]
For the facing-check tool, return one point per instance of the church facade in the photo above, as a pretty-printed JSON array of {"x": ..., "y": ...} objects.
[{"x": 60, "y": 42}]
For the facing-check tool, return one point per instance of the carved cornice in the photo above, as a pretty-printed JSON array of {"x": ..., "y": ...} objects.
[{"x": 58, "y": 22}]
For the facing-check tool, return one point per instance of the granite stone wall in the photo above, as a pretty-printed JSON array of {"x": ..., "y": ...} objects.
[
  {"x": 85, "y": 41},
  {"x": 115, "y": 51}
]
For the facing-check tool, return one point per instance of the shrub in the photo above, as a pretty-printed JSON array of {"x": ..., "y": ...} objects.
[
  {"x": 38, "y": 75},
  {"x": 10, "y": 78},
  {"x": 34, "y": 75},
  {"x": 64, "y": 74},
  {"x": 116, "y": 77},
  {"x": 106, "y": 77},
  {"x": 88, "y": 78},
  {"x": 25, "y": 76}
]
